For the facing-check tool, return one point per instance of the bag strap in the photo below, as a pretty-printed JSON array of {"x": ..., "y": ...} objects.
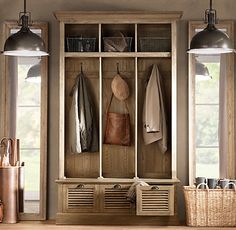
[{"x": 109, "y": 104}]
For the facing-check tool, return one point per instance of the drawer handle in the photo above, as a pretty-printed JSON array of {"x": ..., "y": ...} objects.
[
  {"x": 154, "y": 188},
  {"x": 117, "y": 186},
  {"x": 80, "y": 186}
]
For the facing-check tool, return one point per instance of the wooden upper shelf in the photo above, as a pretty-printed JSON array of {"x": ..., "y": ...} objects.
[
  {"x": 118, "y": 54},
  {"x": 116, "y": 16}
]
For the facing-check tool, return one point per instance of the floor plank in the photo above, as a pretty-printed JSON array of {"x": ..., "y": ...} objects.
[{"x": 50, "y": 225}]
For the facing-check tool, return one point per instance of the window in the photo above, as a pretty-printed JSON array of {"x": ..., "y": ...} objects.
[
  {"x": 206, "y": 105},
  {"x": 24, "y": 116},
  {"x": 211, "y": 111},
  {"x": 28, "y": 131}
]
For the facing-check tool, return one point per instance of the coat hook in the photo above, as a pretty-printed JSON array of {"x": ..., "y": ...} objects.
[
  {"x": 117, "y": 68},
  {"x": 81, "y": 67}
]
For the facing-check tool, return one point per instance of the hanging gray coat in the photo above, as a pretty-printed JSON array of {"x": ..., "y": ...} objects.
[
  {"x": 83, "y": 130},
  {"x": 154, "y": 117}
]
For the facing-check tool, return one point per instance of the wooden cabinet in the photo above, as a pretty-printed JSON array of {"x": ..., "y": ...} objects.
[
  {"x": 96, "y": 183},
  {"x": 155, "y": 200},
  {"x": 114, "y": 199},
  {"x": 80, "y": 198}
]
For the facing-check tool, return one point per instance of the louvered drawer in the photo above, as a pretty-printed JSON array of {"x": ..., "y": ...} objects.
[
  {"x": 80, "y": 198},
  {"x": 115, "y": 198},
  {"x": 155, "y": 200}
]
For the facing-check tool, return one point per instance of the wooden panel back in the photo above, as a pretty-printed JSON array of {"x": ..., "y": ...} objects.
[
  {"x": 84, "y": 164},
  {"x": 118, "y": 161},
  {"x": 151, "y": 162}
]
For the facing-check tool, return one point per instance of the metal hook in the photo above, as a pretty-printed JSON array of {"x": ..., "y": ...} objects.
[
  {"x": 117, "y": 68},
  {"x": 81, "y": 67}
]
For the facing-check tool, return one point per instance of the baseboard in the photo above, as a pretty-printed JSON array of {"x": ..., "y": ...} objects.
[{"x": 104, "y": 219}]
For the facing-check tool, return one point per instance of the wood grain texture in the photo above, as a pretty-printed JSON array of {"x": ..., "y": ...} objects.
[
  {"x": 118, "y": 164},
  {"x": 84, "y": 164},
  {"x": 118, "y": 161},
  {"x": 151, "y": 162},
  {"x": 155, "y": 200},
  {"x": 84, "y": 17},
  {"x": 50, "y": 225},
  {"x": 61, "y": 133}
]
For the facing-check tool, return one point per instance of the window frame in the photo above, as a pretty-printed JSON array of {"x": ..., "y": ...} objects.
[
  {"x": 4, "y": 112},
  {"x": 229, "y": 26}
]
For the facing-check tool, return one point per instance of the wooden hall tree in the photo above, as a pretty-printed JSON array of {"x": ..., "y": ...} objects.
[{"x": 92, "y": 186}]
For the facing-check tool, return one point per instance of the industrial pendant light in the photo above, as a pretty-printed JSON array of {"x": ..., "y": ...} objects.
[
  {"x": 202, "y": 72},
  {"x": 24, "y": 42},
  {"x": 210, "y": 40}
]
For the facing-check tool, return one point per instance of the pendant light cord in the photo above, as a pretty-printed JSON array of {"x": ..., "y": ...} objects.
[
  {"x": 24, "y": 6},
  {"x": 25, "y": 18},
  {"x": 210, "y": 16}
]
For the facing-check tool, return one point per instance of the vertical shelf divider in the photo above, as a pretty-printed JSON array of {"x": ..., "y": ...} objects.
[
  {"x": 136, "y": 118},
  {"x": 136, "y": 102},
  {"x": 100, "y": 117},
  {"x": 174, "y": 99},
  {"x": 136, "y": 37},
  {"x": 99, "y": 37},
  {"x": 62, "y": 103},
  {"x": 100, "y": 99}
]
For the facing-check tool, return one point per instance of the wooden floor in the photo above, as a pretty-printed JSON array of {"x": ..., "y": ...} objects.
[{"x": 50, "y": 225}]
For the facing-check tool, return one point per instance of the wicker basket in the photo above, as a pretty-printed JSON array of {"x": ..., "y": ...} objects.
[
  {"x": 210, "y": 207},
  {"x": 117, "y": 44}
]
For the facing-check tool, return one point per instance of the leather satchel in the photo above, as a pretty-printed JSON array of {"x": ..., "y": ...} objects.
[{"x": 117, "y": 131}]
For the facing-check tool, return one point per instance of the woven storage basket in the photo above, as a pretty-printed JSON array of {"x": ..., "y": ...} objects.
[
  {"x": 210, "y": 207},
  {"x": 117, "y": 44}
]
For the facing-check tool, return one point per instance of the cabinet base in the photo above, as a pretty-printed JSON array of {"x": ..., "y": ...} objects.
[{"x": 105, "y": 219}]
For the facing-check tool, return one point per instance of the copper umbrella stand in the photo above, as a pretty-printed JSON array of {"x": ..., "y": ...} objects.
[{"x": 10, "y": 170}]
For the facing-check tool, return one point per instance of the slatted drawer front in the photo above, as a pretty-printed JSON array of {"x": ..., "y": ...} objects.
[
  {"x": 80, "y": 198},
  {"x": 155, "y": 200},
  {"x": 115, "y": 198}
]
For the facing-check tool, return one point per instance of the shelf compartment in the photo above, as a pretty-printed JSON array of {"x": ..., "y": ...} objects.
[
  {"x": 116, "y": 33},
  {"x": 85, "y": 164},
  {"x": 118, "y": 161},
  {"x": 151, "y": 162},
  {"x": 154, "y": 38},
  {"x": 81, "y": 37}
]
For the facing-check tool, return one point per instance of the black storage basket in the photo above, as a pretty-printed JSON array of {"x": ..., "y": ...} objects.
[
  {"x": 155, "y": 44},
  {"x": 80, "y": 44}
]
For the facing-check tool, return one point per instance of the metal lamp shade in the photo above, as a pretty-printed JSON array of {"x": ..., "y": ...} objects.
[
  {"x": 210, "y": 41},
  {"x": 202, "y": 72},
  {"x": 34, "y": 74},
  {"x": 24, "y": 43}
]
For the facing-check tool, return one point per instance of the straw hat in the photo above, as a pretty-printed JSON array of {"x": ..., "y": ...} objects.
[{"x": 120, "y": 88}]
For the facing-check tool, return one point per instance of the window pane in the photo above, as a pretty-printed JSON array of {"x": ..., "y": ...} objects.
[
  {"x": 207, "y": 162},
  {"x": 208, "y": 91},
  {"x": 28, "y": 126},
  {"x": 28, "y": 93},
  {"x": 28, "y": 131},
  {"x": 32, "y": 179},
  {"x": 207, "y": 119}
]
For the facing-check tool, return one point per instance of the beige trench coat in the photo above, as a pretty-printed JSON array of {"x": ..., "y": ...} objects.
[{"x": 154, "y": 117}]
